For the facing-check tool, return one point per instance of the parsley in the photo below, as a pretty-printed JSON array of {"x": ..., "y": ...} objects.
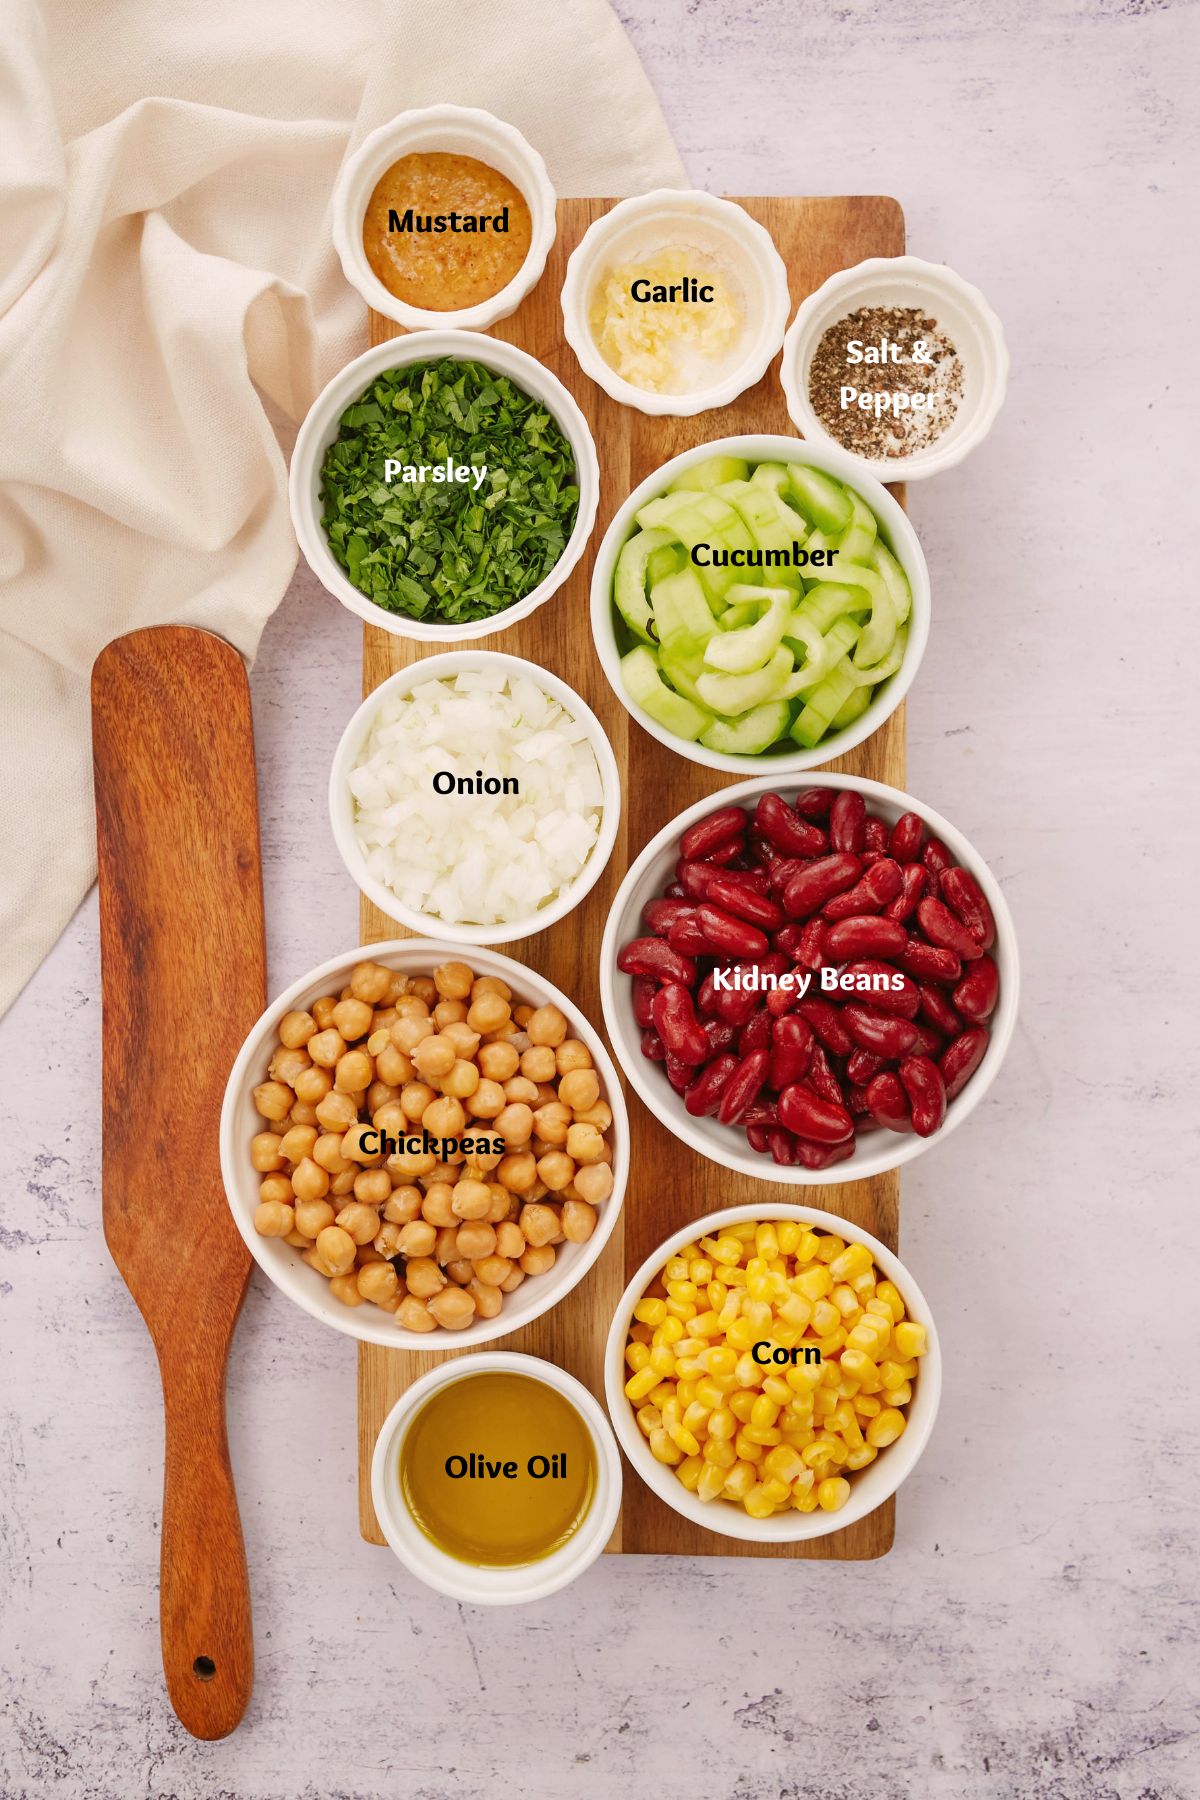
[{"x": 444, "y": 550}]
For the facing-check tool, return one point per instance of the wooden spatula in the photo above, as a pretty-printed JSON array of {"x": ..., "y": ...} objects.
[{"x": 184, "y": 977}]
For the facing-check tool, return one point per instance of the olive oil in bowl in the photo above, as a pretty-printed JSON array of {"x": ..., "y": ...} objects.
[{"x": 498, "y": 1469}]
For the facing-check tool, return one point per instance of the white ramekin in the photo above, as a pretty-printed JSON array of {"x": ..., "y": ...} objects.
[
  {"x": 726, "y": 1144},
  {"x": 342, "y": 808},
  {"x": 649, "y": 223},
  {"x": 282, "y": 1264},
  {"x": 321, "y": 427},
  {"x": 959, "y": 309},
  {"x": 869, "y": 1487},
  {"x": 463, "y": 1581},
  {"x": 460, "y": 131},
  {"x": 897, "y": 533}
]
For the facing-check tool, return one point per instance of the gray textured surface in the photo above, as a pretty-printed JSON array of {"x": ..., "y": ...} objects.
[{"x": 1034, "y": 1632}]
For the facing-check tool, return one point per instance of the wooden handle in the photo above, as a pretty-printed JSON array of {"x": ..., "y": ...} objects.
[{"x": 207, "y": 1645}]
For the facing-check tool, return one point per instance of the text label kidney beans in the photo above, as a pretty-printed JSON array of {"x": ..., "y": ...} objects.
[{"x": 813, "y": 885}]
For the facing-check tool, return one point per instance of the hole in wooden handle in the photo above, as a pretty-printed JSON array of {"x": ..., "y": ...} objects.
[{"x": 204, "y": 1668}]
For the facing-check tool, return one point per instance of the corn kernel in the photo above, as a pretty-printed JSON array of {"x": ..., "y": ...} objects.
[
  {"x": 762, "y": 1434},
  {"x": 813, "y": 1283},
  {"x": 746, "y": 1449},
  {"x": 686, "y": 1440},
  {"x": 721, "y": 1456},
  {"x": 720, "y": 1360},
  {"x": 640, "y": 1384},
  {"x": 662, "y": 1361},
  {"x": 722, "y": 1425},
  {"x": 776, "y": 1491},
  {"x": 663, "y": 1392},
  {"x": 846, "y": 1301},
  {"x": 709, "y": 1393},
  {"x": 742, "y": 1334},
  {"x": 700, "y": 1272},
  {"x": 825, "y": 1318},
  {"x": 650, "y": 1312},
  {"x": 898, "y": 1396},
  {"x": 649, "y": 1418},
  {"x": 765, "y": 1411},
  {"x": 724, "y": 1250},
  {"x": 911, "y": 1339},
  {"x": 891, "y": 1297},
  {"x": 716, "y": 1293},
  {"x": 685, "y": 1392},
  {"x": 795, "y": 1310},
  {"x": 807, "y": 1248},
  {"x": 640, "y": 1334},
  {"x": 669, "y": 1332},
  {"x": 829, "y": 1248},
  {"x": 758, "y": 1503},
  {"x": 681, "y": 1309},
  {"x": 858, "y": 1459},
  {"x": 740, "y": 1479},
  {"x": 783, "y": 1463},
  {"x": 696, "y": 1417},
  {"x": 854, "y": 1260},
  {"x": 689, "y": 1472},
  {"x": 805, "y": 1502},
  {"x": 766, "y": 1242},
  {"x": 637, "y": 1356},
  {"x": 777, "y": 1389},
  {"x": 711, "y": 1483},
  {"x": 833, "y": 1494},
  {"x": 885, "y": 1428},
  {"x": 858, "y": 1365},
  {"x": 788, "y": 1234},
  {"x": 664, "y": 1449}
]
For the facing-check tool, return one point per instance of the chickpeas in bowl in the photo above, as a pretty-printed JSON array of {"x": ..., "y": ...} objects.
[{"x": 412, "y": 1143}]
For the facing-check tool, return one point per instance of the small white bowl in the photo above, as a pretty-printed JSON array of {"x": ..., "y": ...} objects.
[
  {"x": 282, "y": 1264},
  {"x": 460, "y": 131},
  {"x": 960, "y": 310},
  {"x": 726, "y": 1144},
  {"x": 649, "y": 223},
  {"x": 342, "y": 807},
  {"x": 869, "y": 1487},
  {"x": 896, "y": 531},
  {"x": 320, "y": 428},
  {"x": 485, "y": 1586}
]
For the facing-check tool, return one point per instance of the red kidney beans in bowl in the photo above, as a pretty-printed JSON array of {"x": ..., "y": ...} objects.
[{"x": 813, "y": 973}]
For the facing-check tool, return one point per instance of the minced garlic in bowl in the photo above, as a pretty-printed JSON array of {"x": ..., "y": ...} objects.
[{"x": 671, "y": 324}]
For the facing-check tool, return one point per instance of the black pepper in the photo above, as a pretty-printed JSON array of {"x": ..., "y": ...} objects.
[{"x": 912, "y": 387}]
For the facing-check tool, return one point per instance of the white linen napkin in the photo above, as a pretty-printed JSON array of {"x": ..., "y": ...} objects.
[{"x": 168, "y": 287}]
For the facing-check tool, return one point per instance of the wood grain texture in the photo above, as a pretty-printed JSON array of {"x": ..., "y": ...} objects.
[
  {"x": 669, "y": 1185},
  {"x": 184, "y": 977}
]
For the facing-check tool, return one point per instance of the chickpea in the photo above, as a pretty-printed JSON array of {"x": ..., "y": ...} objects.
[
  {"x": 538, "y": 1224},
  {"x": 537, "y": 1259},
  {"x": 471, "y": 1199},
  {"x": 297, "y": 1240},
  {"x": 520, "y": 1092},
  {"x": 417, "y": 1239},
  {"x": 517, "y": 1173},
  {"x": 414, "y": 1315},
  {"x": 579, "y": 1089},
  {"x": 361, "y": 1145},
  {"x": 459, "y": 1270},
  {"x": 578, "y": 1221},
  {"x": 345, "y": 1289},
  {"x": 599, "y": 1115},
  {"x": 585, "y": 1144},
  {"x": 371, "y": 982},
  {"x": 492, "y": 1270},
  {"x": 354, "y": 1073},
  {"x": 303, "y": 1115},
  {"x": 343, "y": 1181},
  {"x": 382, "y": 1019},
  {"x": 504, "y": 1204},
  {"x": 353, "y": 1019},
  {"x": 537, "y": 1063},
  {"x": 410, "y": 1165},
  {"x": 327, "y": 1047},
  {"x": 312, "y": 1216},
  {"x": 312, "y": 1085},
  {"x": 557, "y": 1170},
  {"x": 594, "y": 1183},
  {"x": 372, "y": 1187},
  {"x": 298, "y": 1143},
  {"x": 437, "y": 1205},
  {"x": 462, "y": 1080},
  {"x": 336, "y": 1247},
  {"x": 322, "y": 1012},
  {"x": 287, "y": 1064},
  {"x": 491, "y": 984},
  {"x": 445, "y": 1247},
  {"x": 415, "y": 1098},
  {"x": 359, "y": 1222},
  {"x": 337, "y": 1112},
  {"x": 404, "y": 1205},
  {"x": 410, "y": 1006},
  {"x": 453, "y": 1308},
  {"x": 377, "y": 1282},
  {"x": 515, "y": 1125},
  {"x": 309, "y": 1180},
  {"x": 489, "y": 1301},
  {"x": 547, "y": 1026},
  {"x": 379, "y": 1095},
  {"x": 454, "y": 980},
  {"x": 393, "y": 1066},
  {"x": 465, "y": 1041},
  {"x": 551, "y": 1122},
  {"x": 571, "y": 1055},
  {"x": 434, "y": 1057},
  {"x": 512, "y": 1280},
  {"x": 408, "y": 1032},
  {"x": 497, "y": 1062},
  {"x": 327, "y": 1153},
  {"x": 488, "y": 1012},
  {"x": 449, "y": 1012},
  {"x": 265, "y": 1152},
  {"x": 388, "y": 1240},
  {"x": 272, "y": 1218},
  {"x": 510, "y": 1240},
  {"x": 423, "y": 1277},
  {"x": 295, "y": 1029},
  {"x": 444, "y": 1118},
  {"x": 487, "y": 1102},
  {"x": 522, "y": 1016},
  {"x": 475, "y": 1240},
  {"x": 486, "y": 1162},
  {"x": 273, "y": 1100},
  {"x": 316, "y": 1261}
]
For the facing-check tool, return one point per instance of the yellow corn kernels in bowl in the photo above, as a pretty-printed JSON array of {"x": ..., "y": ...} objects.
[{"x": 768, "y": 1364}]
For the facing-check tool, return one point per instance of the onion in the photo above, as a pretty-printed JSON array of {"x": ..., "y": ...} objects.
[{"x": 468, "y": 857}]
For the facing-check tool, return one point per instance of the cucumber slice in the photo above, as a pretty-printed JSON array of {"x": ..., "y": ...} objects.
[
  {"x": 772, "y": 523},
  {"x": 826, "y": 701},
  {"x": 696, "y": 518},
  {"x": 871, "y": 677},
  {"x": 739, "y": 613},
  {"x": 879, "y": 632},
  {"x": 893, "y": 577},
  {"x": 682, "y": 662},
  {"x": 858, "y": 541},
  {"x": 828, "y": 601},
  {"x": 771, "y": 475},
  {"x": 835, "y": 649},
  {"x": 710, "y": 473},
  {"x": 629, "y": 583},
  {"x": 854, "y": 708},
  {"x": 737, "y": 652},
  {"x": 750, "y": 735},
  {"x": 680, "y": 608},
  {"x": 822, "y": 500},
  {"x": 732, "y": 695},
  {"x": 644, "y": 685}
]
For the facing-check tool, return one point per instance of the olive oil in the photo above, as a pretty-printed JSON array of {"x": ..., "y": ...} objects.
[{"x": 498, "y": 1469}]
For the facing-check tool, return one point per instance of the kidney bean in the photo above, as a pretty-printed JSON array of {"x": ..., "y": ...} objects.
[
  {"x": 928, "y": 1042},
  {"x": 702, "y": 1097},
  {"x": 660, "y": 915},
  {"x": 724, "y": 856},
  {"x": 686, "y": 936},
  {"x": 809, "y": 1116},
  {"x": 936, "y": 857},
  {"x": 922, "y": 1082},
  {"x": 943, "y": 929},
  {"x": 782, "y": 1146},
  {"x": 821, "y": 1078},
  {"x": 965, "y": 898},
  {"x": 680, "y": 1074},
  {"x": 888, "y": 1102},
  {"x": 827, "y": 1024},
  {"x": 880, "y": 884},
  {"x": 901, "y": 996},
  {"x": 706, "y": 996},
  {"x": 745, "y": 903},
  {"x": 761, "y": 1112},
  {"x": 823, "y": 1156},
  {"x": 818, "y": 881},
  {"x": 718, "y": 828},
  {"x": 914, "y": 879},
  {"x": 677, "y": 1025},
  {"x": 961, "y": 1060},
  {"x": 763, "y": 851},
  {"x": 720, "y": 1035},
  {"x": 781, "y": 1001},
  {"x": 755, "y": 1033},
  {"x": 811, "y": 951},
  {"x": 813, "y": 802},
  {"x": 743, "y": 1086},
  {"x": 754, "y": 881},
  {"x": 978, "y": 991},
  {"x": 908, "y": 834},
  {"x": 735, "y": 1005},
  {"x": 882, "y": 1033},
  {"x": 786, "y": 830},
  {"x": 863, "y": 936},
  {"x": 651, "y": 956},
  {"x": 653, "y": 1047},
  {"x": 644, "y": 991},
  {"x": 862, "y": 1066},
  {"x": 935, "y": 1004},
  {"x": 783, "y": 870},
  {"x": 875, "y": 835},
  {"x": 929, "y": 963},
  {"x": 673, "y": 891},
  {"x": 694, "y": 877},
  {"x": 791, "y": 1051},
  {"x": 788, "y": 939},
  {"x": 728, "y": 936},
  {"x": 848, "y": 821},
  {"x": 856, "y": 1103},
  {"x": 756, "y": 1137}
]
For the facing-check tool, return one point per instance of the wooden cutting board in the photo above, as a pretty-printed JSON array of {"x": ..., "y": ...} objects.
[{"x": 669, "y": 1184}]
